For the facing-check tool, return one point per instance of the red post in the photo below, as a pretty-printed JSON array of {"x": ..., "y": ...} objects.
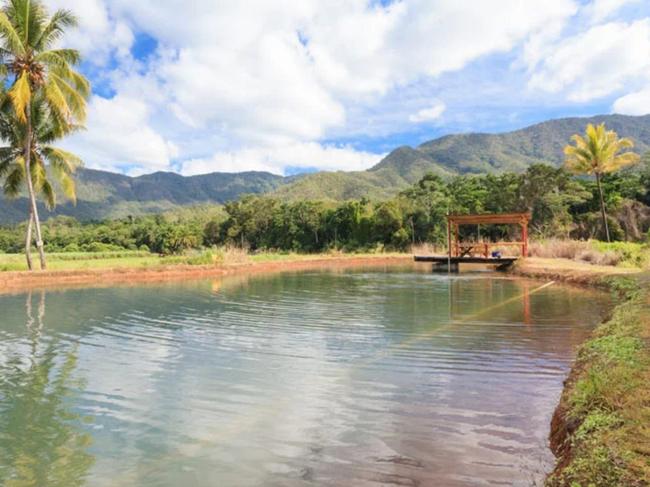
[
  {"x": 524, "y": 237},
  {"x": 449, "y": 237}
]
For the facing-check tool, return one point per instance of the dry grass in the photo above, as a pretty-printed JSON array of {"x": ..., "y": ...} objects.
[
  {"x": 590, "y": 252},
  {"x": 576, "y": 250},
  {"x": 232, "y": 255},
  {"x": 428, "y": 249}
]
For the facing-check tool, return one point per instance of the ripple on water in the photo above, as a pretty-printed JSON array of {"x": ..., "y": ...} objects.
[{"x": 353, "y": 378}]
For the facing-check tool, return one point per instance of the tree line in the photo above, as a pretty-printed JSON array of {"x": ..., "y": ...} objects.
[
  {"x": 43, "y": 99},
  {"x": 562, "y": 206}
]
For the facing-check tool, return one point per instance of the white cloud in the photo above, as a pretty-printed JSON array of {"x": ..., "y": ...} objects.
[
  {"x": 261, "y": 85},
  {"x": 427, "y": 114},
  {"x": 637, "y": 103},
  {"x": 275, "y": 158},
  {"x": 98, "y": 35},
  {"x": 120, "y": 136},
  {"x": 600, "y": 10},
  {"x": 597, "y": 62}
]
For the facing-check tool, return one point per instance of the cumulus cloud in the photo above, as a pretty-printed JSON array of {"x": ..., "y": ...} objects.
[
  {"x": 122, "y": 137},
  {"x": 275, "y": 159},
  {"x": 597, "y": 62},
  {"x": 637, "y": 103},
  {"x": 261, "y": 85},
  {"x": 98, "y": 34},
  {"x": 600, "y": 10},
  {"x": 427, "y": 114}
]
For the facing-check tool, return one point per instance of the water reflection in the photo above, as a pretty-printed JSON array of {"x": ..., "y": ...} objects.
[
  {"x": 42, "y": 442},
  {"x": 345, "y": 378}
]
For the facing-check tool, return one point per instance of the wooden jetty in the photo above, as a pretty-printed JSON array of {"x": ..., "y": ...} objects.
[
  {"x": 444, "y": 263},
  {"x": 479, "y": 252}
]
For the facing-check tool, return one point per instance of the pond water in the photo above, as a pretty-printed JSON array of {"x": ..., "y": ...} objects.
[{"x": 350, "y": 378}]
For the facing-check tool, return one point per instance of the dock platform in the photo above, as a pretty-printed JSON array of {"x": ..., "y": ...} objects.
[{"x": 443, "y": 262}]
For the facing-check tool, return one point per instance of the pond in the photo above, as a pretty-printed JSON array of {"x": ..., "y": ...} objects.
[{"x": 365, "y": 377}]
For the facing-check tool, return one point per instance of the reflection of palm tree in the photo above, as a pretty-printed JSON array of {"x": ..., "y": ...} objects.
[{"x": 40, "y": 442}]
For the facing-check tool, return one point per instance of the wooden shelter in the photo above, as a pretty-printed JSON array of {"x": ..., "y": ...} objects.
[{"x": 458, "y": 249}]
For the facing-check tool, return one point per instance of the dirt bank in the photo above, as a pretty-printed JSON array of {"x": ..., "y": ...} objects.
[{"x": 12, "y": 282}]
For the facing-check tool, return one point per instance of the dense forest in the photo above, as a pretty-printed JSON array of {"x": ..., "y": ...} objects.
[
  {"x": 104, "y": 195},
  {"x": 562, "y": 206}
]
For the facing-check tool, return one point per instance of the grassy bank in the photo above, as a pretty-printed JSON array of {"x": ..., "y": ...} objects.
[
  {"x": 601, "y": 429},
  {"x": 70, "y": 261},
  {"x": 594, "y": 255}
]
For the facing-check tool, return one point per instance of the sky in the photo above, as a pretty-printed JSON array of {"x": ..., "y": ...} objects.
[{"x": 286, "y": 86}]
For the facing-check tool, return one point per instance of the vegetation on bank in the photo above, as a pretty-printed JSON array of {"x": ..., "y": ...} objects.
[
  {"x": 601, "y": 430},
  {"x": 624, "y": 254},
  {"x": 563, "y": 207},
  {"x": 43, "y": 99},
  {"x": 72, "y": 261},
  {"x": 599, "y": 152}
]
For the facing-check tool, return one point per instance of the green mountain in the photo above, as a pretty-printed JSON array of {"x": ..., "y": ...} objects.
[
  {"x": 473, "y": 153},
  {"x": 108, "y": 195},
  {"x": 398, "y": 170},
  {"x": 103, "y": 195}
]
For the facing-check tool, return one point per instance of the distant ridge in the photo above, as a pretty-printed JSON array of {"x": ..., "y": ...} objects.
[
  {"x": 472, "y": 153},
  {"x": 103, "y": 194}
]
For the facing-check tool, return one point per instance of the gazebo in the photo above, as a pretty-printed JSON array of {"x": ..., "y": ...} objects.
[{"x": 459, "y": 250}]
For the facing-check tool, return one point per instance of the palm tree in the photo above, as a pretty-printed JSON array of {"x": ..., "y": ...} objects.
[
  {"x": 61, "y": 164},
  {"x": 36, "y": 68},
  {"x": 599, "y": 152}
]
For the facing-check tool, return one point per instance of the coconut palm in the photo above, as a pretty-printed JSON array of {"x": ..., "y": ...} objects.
[
  {"x": 36, "y": 68},
  {"x": 43, "y": 156},
  {"x": 599, "y": 152}
]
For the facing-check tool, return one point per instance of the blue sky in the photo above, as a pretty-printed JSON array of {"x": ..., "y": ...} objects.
[{"x": 286, "y": 87}]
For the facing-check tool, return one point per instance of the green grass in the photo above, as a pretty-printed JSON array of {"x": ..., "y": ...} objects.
[
  {"x": 139, "y": 259},
  {"x": 82, "y": 260},
  {"x": 606, "y": 404},
  {"x": 630, "y": 254}
]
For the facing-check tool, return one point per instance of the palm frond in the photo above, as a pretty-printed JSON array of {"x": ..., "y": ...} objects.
[
  {"x": 62, "y": 160},
  {"x": 71, "y": 77},
  {"x": 58, "y": 57},
  {"x": 15, "y": 178},
  {"x": 67, "y": 185},
  {"x": 55, "y": 28},
  {"x": 20, "y": 94},
  {"x": 599, "y": 151},
  {"x": 10, "y": 36},
  {"x": 70, "y": 102},
  {"x": 49, "y": 195}
]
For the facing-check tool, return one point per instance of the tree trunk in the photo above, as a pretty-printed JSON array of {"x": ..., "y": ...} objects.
[
  {"x": 30, "y": 187},
  {"x": 602, "y": 207},
  {"x": 28, "y": 242}
]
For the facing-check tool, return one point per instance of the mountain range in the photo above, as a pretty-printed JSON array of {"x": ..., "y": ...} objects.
[{"x": 104, "y": 194}]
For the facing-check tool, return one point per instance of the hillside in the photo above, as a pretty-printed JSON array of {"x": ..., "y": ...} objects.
[
  {"x": 465, "y": 154},
  {"x": 398, "y": 170},
  {"x": 108, "y": 195},
  {"x": 103, "y": 195}
]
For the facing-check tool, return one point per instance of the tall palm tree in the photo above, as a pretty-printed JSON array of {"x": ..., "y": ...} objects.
[
  {"x": 35, "y": 67},
  {"x": 599, "y": 152},
  {"x": 61, "y": 164}
]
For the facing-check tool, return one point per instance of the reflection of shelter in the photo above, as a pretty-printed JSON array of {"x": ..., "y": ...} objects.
[{"x": 482, "y": 248}]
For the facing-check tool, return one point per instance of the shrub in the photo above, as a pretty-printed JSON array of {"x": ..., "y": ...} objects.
[{"x": 101, "y": 247}]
